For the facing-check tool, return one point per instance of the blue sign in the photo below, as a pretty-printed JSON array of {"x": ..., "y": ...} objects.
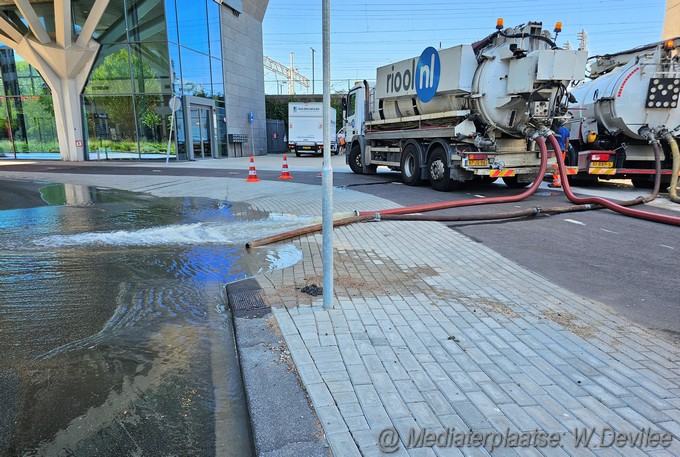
[
  {"x": 427, "y": 74},
  {"x": 251, "y": 117}
]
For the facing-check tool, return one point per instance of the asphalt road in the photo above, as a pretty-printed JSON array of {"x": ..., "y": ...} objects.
[{"x": 629, "y": 264}]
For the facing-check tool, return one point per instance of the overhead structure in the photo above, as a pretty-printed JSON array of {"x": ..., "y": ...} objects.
[
  {"x": 291, "y": 73},
  {"x": 63, "y": 58}
]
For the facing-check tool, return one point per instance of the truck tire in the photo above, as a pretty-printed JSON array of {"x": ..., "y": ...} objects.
[
  {"x": 410, "y": 166},
  {"x": 355, "y": 160},
  {"x": 513, "y": 183},
  {"x": 439, "y": 171}
]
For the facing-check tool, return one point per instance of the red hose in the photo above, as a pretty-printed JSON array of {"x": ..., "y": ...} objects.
[
  {"x": 478, "y": 201},
  {"x": 671, "y": 220}
]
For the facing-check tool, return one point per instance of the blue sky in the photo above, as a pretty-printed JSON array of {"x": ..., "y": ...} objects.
[{"x": 369, "y": 34}]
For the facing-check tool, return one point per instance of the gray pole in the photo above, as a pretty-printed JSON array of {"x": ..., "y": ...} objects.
[
  {"x": 313, "y": 88},
  {"x": 327, "y": 169}
]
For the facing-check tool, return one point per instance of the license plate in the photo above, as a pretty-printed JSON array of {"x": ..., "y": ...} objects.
[
  {"x": 602, "y": 164},
  {"x": 306, "y": 147},
  {"x": 477, "y": 163}
]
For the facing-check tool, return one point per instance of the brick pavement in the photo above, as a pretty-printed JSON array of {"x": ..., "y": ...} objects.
[{"x": 433, "y": 330}]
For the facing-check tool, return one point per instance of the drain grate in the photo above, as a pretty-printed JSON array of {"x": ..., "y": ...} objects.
[{"x": 245, "y": 298}]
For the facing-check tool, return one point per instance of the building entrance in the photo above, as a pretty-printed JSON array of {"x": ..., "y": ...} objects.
[
  {"x": 201, "y": 120},
  {"x": 199, "y": 133}
]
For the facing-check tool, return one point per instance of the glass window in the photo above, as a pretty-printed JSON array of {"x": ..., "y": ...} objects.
[
  {"x": 214, "y": 31},
  {"x": 171, "y": 20},
  {"x": 41, "y": 133},
  {"x": 217, "y": 79},
  {"x": 111, "y": 72},
  {"x": 195, "y": 73},
  {"x": 193, "y": 25},
  {"x": 111, "y": 125},
  {"x": 110, "y": 29},
  {"x": 150, "y": 69},
  {"x": 175, "y": 69},
  {"x": 146, "y": 19},
  {"x": 351, "y": 106},
  {"x": 154, "y": 116}
]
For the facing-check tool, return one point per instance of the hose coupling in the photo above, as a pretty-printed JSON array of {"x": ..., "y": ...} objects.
[{"x": 648, "y": 134}]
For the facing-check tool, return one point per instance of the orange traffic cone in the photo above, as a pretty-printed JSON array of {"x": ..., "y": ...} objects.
[
  {"x": 284, "y": 171},
  {"x": 252, "y": 174}
]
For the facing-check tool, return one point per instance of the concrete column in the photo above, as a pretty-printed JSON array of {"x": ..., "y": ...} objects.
[{"x": 68, "y": 116}]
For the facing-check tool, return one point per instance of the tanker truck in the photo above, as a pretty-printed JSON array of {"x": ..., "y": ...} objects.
[
  {"x": 463, "y": 114},
  {"x": 630, "y": 98}
]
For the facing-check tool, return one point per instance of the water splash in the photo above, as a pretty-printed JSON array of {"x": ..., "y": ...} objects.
[{"x": 179, "y": 234}]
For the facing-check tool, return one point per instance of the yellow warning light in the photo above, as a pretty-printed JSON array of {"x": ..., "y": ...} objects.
[
  {"x": 669, "y": 44},
  {"x": 499, "y": 23},
  {"x": 558, "y": 27},
  {"x": 591, "y": 137}
]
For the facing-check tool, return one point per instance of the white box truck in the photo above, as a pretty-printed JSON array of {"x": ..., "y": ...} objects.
[{"x": 305, "y": 128}]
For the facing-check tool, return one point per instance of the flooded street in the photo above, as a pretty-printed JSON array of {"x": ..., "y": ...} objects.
[{"x": 114, "y": 337}]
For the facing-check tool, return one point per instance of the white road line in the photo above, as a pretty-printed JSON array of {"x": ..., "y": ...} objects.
[
  {"x": 610, "y": 231},
  {"x": 574, "y": 222},
  {"x": 664, "y": 246}
]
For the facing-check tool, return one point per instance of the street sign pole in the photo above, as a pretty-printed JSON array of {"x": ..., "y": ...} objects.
[
  {"x": 174, "y": 105},
  {"x": 327, "y": 169}
]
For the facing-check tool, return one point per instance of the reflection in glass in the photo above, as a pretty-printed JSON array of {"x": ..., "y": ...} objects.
[
  {"x": 111, "y": 123},
  {"x": 111, "y": 72},
  {"x": 150, "y": 68},
  {"x": 147, "y": 20},
  {"x": 217, "y": 79},
  {"x": 149, "y": 52},
  {"x": 171, "y": 20},
  {"x": 193, "y": 31},
  {"x": 214, "y": 31},
  {"x": 196, "y": 73},
  {"x": 175, "y": 69}
]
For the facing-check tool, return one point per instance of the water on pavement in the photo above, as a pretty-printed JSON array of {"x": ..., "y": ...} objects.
[{"x": 114, "y": 338}]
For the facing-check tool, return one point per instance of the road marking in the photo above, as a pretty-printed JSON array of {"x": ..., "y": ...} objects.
[
  {"x": 664, "y": 246},
  {"x": 610, "y": 231},
  {"x": 574, "y": 222},
  {"x": 480, "y": 196}
]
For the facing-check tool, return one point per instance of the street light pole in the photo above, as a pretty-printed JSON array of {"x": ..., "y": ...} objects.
[{"x": 313, "y": 90}]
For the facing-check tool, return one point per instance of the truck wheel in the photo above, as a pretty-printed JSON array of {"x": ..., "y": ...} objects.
[
  {"x": 355, "y": 160},
  {"x": 410, "y": 166},
  {"x": 513, "y": 183},
  {"x": 439, "y": 171}
]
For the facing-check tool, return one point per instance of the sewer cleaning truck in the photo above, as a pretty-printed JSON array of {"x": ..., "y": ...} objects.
[
  {"x": 462, "y": 114},
  {"x": 630, "y": 98},
  {"x": 305, "y": 128}
]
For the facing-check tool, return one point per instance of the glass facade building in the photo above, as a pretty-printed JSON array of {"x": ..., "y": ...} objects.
[{"x": 151, "y": 50}]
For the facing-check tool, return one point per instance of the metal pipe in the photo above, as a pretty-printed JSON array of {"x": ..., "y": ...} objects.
[
  {"x": 327, "y": 168},
  {"x": 303, "y": 231},
  {"x": 671, "y": 220}
]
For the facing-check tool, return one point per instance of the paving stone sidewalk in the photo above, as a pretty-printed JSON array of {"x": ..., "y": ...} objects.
[{"x": 432, "y": 330}]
